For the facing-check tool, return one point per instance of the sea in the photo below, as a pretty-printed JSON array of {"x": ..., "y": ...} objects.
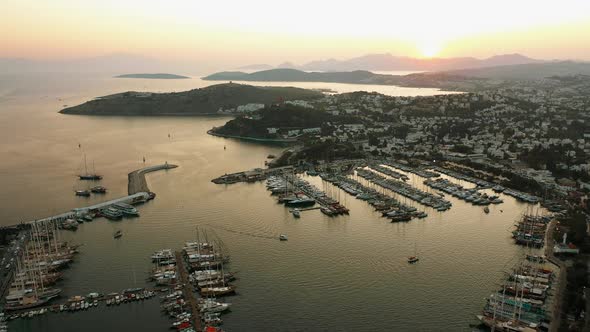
[{"x": 346, "y": 273}]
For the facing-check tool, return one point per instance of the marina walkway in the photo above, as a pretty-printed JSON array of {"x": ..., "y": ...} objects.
[
  {"x": 137, "y": 181},
  {"x": 188, "y": 292}
]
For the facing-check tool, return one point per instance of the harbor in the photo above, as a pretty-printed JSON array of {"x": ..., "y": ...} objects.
[{"x": 336, "y": 250}]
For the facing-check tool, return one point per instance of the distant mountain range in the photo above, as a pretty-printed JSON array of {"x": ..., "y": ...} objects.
[
  {"x": 388, "y": 62},
  {"x": 529, "y": 71},
  {"x": 463, "y": 80}
]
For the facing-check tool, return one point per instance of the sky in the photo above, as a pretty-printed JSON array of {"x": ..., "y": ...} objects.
[{"x": 263, "y": 31}]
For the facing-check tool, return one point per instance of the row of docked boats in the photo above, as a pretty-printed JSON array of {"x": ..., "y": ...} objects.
[
  {"x": 175, "y": 306},
  {"x": 435, "y": 201},
  {"x": 173, "y": 303},
  {"x": 530, "y": 230},
  {"x": 300, "y": 193},
  {"x": 472, "y": 195},
  {"x": 409, "y": 169},
  {"x": 39, "y": 265},
  {"x": 479, "y": 182},
  {"x": 390, "y": 172},
  {"x": 387, "y": 205},
  {"x": 519, "y": 195},
  {"x": 204, "y": 263},
  {"x": 520, "y": 304},
  {"x": 208, "y": 275}
]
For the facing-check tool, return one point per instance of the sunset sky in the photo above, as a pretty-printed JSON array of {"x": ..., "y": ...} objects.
[{"x": 263, "y": 31}]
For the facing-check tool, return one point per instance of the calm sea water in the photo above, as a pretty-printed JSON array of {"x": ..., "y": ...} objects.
[{"x": 334, "y": 274}]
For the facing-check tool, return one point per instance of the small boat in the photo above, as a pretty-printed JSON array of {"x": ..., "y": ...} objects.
[
  {"x": 85, "y": 193},
  {"x": 118, "y": 234},
  {"x": 98, "y": 190},
  {"x": 486, "y": 209},
  {"x": 283, "y": 237},
  {"x": 271, "y": 156},
  {"x": 296, "y": 213},
  {"x": 413, "y": 259}
]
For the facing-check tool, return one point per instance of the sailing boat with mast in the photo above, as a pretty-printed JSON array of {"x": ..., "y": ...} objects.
[{"x": 89, "y": 176}]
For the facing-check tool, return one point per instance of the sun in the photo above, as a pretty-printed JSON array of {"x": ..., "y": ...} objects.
[{"x": 429, "y": 49}]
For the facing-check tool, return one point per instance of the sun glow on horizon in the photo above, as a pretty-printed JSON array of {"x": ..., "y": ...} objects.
[
  {"x": 235, "y": 32},
  {"x": 429, "y": 49}
]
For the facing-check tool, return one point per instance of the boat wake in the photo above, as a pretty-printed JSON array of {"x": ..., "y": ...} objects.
[{"x": 258, "y": 235}]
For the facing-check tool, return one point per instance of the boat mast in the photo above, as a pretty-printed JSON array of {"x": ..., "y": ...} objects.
[{"x": 85, "y": 165}]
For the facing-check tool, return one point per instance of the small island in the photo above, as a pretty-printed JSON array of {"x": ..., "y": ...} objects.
[{"x": 157, "y": 76}]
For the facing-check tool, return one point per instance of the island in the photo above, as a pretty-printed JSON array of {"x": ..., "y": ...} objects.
[
  {"x": 157, "y": 76},
  {"x": 228, "y": 98},
  {"x": 465, "y": 80}
]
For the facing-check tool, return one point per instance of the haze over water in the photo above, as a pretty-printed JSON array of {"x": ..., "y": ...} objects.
[{"x": 339, "y": 274}]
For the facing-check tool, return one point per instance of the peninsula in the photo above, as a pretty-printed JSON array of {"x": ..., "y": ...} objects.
[
  {"x": 214, "y": 99},
  {"x": 158, "y": 76}
]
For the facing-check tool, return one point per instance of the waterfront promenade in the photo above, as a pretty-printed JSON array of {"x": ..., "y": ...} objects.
[{"x": 137, "y": 181}]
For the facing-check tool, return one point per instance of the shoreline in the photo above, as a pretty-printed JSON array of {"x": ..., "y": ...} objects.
[{"x": 264, "y": 140}]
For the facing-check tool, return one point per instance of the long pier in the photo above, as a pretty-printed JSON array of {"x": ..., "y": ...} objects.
[
  {"x": 188, "y": 292},
  {"x": 137, "y": 181}
]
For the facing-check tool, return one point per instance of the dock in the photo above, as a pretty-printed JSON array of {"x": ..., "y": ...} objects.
[
  {"x": 257, "y": 174},
  {"x": 189, "y": 295},
  {"x": 137, "y": 181}
]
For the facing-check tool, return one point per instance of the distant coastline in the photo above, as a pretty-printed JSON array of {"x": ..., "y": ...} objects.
[{"x": 157, "y": 76}]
